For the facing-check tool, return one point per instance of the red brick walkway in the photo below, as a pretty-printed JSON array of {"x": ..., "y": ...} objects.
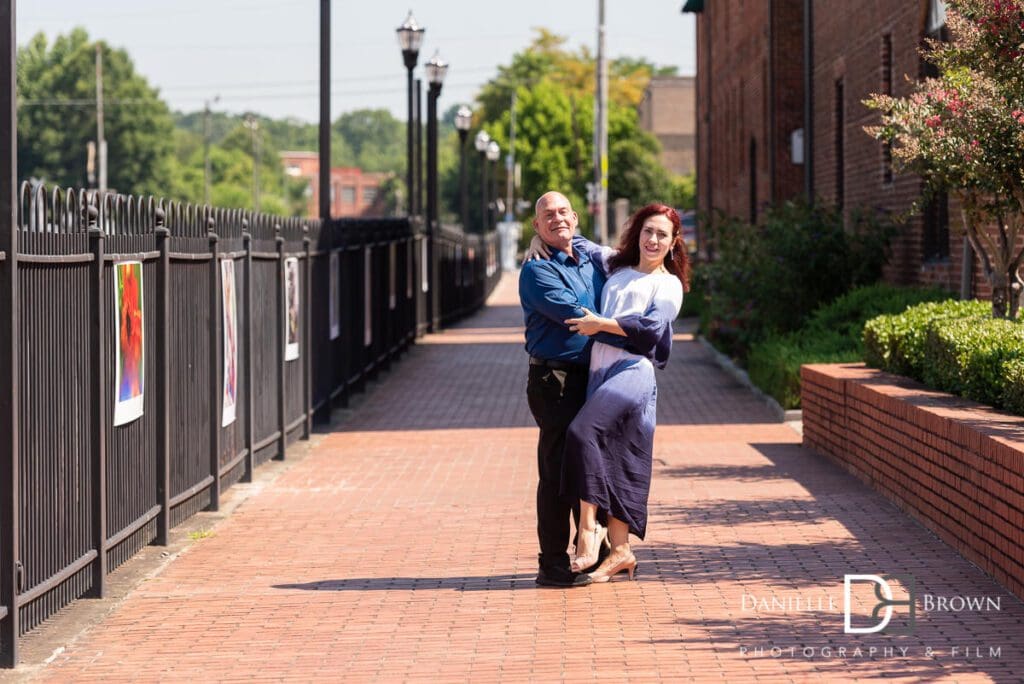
[{"x": 402, "y": 547}]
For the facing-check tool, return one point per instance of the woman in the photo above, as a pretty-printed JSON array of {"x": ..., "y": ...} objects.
[{"x": 609, "y": 445}]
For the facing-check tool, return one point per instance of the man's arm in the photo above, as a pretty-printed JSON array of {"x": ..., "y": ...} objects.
[{"x": 545, "y": 292}]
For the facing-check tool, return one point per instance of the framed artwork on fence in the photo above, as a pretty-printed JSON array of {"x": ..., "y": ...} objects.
[
  {"x": 291, "y": 299},
  {"x": 129, "y": 342},
  {"x": 367, "y": 297},
  {"x": 334, "y": 298},
  {"x": 424, "y": 267},
  {"x": 392, "y": 276},
  {"x": 230, "y": 395}
]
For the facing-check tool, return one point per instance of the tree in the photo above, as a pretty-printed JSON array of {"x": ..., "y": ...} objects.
[
  {"x": 555, "y": 125},
  {"x": 964, "y": 131},
  {"x": 57, "y": 117}
]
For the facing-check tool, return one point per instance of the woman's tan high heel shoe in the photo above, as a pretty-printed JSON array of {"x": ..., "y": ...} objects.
[
  {"x": 587, "y": 546},
  {"x": 615, "y": 563}
]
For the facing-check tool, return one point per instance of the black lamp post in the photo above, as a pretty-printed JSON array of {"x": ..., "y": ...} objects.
[
  {"x": 493, "y": 152},
  {"x": 463, "y": 120},
  {"x": 480, "y": 143},
  {"x": 410, "y": 36},
  {"x": 436, "y": 69}
]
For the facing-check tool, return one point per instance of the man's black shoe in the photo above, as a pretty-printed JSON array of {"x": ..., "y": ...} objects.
[{"x": 561, "y": 578}]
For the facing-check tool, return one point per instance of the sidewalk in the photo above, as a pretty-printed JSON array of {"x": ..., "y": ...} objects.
[{"x": 402, "y": 547}]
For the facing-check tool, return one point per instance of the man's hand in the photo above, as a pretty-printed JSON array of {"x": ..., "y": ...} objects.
[
  {"x": 538, "y": 249},
  {"x": 589, "y": 324}
]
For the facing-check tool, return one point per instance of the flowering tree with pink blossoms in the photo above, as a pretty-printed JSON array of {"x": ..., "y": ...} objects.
[{"x": 964, "y": 132}]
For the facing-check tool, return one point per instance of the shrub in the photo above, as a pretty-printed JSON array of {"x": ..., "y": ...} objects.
[
  {"x": 955, "y": 347},
  {"x": 767, "y": 279},
  {"x": 831, "y": 335},
  {"x": 896, "y": 342}
]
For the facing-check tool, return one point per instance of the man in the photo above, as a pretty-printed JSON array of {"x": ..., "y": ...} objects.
[{"x": 552, "y": 290}]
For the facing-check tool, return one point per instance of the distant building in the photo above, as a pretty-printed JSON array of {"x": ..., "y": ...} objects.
[
  {"x": 354, "y": 192},
  {"x": 668, "y": 111}
]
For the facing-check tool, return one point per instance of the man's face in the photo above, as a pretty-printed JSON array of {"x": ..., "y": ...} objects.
[{"x": 555, "y": 221}]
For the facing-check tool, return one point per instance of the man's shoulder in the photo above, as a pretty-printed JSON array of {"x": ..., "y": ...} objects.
[{"x": 537, "y": 268}]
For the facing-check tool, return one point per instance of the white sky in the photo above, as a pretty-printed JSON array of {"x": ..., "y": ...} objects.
[{"x": 263, "y": 55}]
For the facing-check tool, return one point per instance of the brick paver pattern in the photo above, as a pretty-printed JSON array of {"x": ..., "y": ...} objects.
[{"x": 403, "y": 548}]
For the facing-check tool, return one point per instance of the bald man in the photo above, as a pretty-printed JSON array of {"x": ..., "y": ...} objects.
[{"x": 552, "y": 290}]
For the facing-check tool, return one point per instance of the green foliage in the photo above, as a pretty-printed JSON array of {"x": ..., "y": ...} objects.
[
  {"x": 896, "y": 343},
  {"x": 831, "y": 335},
  {"x": 768, "y": 279},
  {"x": 964, "y": 131},
  {"x": 56, "y": 118},
  {"x": 555, "y": 128},
  {"x": 955, "y": 347}
]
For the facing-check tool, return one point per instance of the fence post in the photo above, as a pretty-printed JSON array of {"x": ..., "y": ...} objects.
[
  {"x": 163, "y": 381},
  {"x": 9, "y": 476},
  {"x": 247, "y": 370},
  {"x": 282, "y": 323},
  {"x": 307, "y": 336},
  {"x": 97, "y": 346},
  {"x": 216, "y": 359}
]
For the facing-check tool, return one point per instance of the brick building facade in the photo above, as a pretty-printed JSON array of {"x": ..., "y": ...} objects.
[
  {"x": 353, "y": 191},
  {"x": 751, "y": 105}
]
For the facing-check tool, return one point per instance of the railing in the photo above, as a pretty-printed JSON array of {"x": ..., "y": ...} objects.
[{"x": 166, "y": 350}]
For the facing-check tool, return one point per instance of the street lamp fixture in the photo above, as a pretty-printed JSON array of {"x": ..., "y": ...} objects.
[
  {"x": 410, "y": 36},
  {"x": 481, "y": 140},
  {"x": 436, "y": 70},
  {"x": 463, "y": 121},
  {"x": 493, "y": 151}
]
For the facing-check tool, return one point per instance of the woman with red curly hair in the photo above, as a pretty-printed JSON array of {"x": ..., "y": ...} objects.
[{"x": 609, "y": 445}]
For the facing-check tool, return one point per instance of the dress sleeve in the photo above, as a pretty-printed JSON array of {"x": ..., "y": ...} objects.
[
  {"x": 650, "y": 333},
  {"x": 598, "y": 254}
]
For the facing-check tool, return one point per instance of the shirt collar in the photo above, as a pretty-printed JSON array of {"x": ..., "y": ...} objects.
[{"x": 579, "y": 258}]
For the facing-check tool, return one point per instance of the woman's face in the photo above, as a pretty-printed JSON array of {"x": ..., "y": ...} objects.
[{"x": 655, "y": 240}]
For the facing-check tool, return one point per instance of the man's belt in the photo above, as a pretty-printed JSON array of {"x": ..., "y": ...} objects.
[{"x": 557, "y": 365}]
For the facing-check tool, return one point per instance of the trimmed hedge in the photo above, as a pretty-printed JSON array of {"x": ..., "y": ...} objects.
[
  {"x": 955, "y": 347},
  {"x": 831, "y": 335}
]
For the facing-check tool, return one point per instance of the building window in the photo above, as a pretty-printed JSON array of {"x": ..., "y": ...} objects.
[
  {"x": 935, "y": 241},
  {"x": 886, "y": 90},
  {"x": 369, "y": 195},
  {"x": 348, "y": 194},
  {"x": 935, "y": 216},
  {"x": 752, "y": 160},
  {"x": 838, "y": 142}
]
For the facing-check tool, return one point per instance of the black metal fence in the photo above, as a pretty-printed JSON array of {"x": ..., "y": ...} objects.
[{"x": 165, "y": 350}]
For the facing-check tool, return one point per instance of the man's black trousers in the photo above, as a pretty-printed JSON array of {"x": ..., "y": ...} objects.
[{"x": 555, "y": 397}]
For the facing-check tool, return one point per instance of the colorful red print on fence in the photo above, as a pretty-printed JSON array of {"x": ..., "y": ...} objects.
[{"x": 129, "y": 359}]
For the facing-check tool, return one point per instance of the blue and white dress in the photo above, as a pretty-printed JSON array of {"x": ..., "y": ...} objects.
[{"x": 609, "y": 446}]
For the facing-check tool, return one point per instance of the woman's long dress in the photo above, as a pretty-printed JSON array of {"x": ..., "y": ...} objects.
[{"x": 609, "y": 445}]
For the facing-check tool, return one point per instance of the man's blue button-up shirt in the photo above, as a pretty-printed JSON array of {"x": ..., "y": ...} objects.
[{"x": 552, "y": 290}]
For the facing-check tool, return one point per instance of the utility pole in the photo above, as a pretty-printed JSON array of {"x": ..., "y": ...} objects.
[
  {"x": 254, "y": 125},
  {"x": 207, "y": 172},
  {"x": 324, "y": 172},
  {"x": 101, "y": 142},
  {"x": 601, "y": 133},
  {"x": 510, "y": 164}
]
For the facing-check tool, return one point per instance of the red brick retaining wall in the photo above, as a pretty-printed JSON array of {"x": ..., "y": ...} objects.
[{"x": 955, "y": 465}]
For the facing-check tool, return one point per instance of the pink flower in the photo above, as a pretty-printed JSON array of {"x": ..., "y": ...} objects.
[{"x": 933, "y": 121}]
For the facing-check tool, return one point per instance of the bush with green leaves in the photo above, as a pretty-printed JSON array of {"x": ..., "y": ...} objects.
[
  {"x": 956, "y": 347},
  {"x": 896, "y": 343},
  {"x": 767, "y": 279},
  {"x": 831, "y": 335}
]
